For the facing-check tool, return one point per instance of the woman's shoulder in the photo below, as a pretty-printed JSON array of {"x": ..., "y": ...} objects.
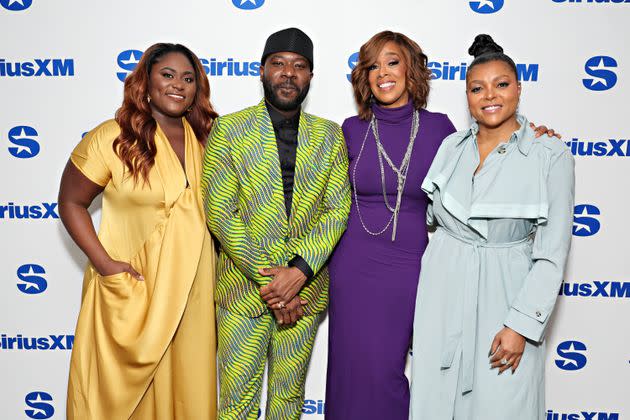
[
  {"x": 103, "y": 134},
  {"x": 437, "y": 123},
  {"x": 455, "y": 138},
  {"x": 353, "y": 122},
  {"x": 552, "y": 147},
  {"x": 435, "y": 117}
]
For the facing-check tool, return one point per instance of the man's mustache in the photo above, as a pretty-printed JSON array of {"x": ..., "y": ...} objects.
[{"x": 286, "y": 85}]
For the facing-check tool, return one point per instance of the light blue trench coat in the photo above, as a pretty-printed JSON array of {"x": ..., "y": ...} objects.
[{"x": 497, "y": 258}]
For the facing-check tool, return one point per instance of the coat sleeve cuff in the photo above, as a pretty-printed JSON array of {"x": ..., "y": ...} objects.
[
  {"x": 302, "y": 265},
  {"x": 528, "y": 327}
]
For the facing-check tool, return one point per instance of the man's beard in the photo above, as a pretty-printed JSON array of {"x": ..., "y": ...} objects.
[{"x": 277, "y": 102}]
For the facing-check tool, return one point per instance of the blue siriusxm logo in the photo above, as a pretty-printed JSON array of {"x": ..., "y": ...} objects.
[
  {"x": 50, "y": 67},
  {"x": 309, "y": 407},
  {"x": 16, "y": 5},
  {"x": 18, "y": 211},
  {"x": 486, "y": 6},
  {"x": 602, "y": 78},
  {"x": 31, "y": 280},
  {"x": 447, "y": 71},
  {"x": 313, "y": 407},
  {"x": 248, "y": 4},
  {"x": 49, "y": 342},
  {"x": 582, "y": 415},
  {"x": 40, "y": 405},
  {"x": 605, "y": 148},
  {"x": 26, "y": 146},
  {"x": 572, "y": 355},
  {"x": 128, "y": 60},
  {"x": 352, "y": 63},
  {"x": 584, "y": 221},
  {"x": 605, "y": 289}
]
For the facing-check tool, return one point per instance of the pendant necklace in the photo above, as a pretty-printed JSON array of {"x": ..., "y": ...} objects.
[{"x": 401, "y": 172}]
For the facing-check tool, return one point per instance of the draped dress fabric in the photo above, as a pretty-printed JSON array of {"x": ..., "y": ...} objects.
[
  {"x": 372, "y": 279},
  {"x": 496, "y": 259},
  {"x": 146, "y": 349}
]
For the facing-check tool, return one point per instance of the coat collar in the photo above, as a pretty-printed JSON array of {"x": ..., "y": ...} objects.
[{"x": 522, "y": 136}]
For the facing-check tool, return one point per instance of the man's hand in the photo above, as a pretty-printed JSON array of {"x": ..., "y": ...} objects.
[
  {"x": 286, "y": 283},
  {"x": 291, "y": 313}
]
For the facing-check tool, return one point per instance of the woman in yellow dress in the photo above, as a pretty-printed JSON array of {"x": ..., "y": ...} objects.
[{"x": 145, "y": 339}]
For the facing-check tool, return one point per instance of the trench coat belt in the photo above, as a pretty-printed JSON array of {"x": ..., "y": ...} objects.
[{"x": 466, "y": 329}]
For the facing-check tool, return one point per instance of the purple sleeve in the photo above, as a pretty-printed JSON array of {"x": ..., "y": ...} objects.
[
  {"x": 346, "y": 128},
  {"x": 447, "y": 127}
]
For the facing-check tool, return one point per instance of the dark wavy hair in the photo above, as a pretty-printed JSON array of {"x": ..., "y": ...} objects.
[
  {"x": 135, "y": 145},
  {"x": 418, "y": 74},
  {"x": 484, "y": 50}
]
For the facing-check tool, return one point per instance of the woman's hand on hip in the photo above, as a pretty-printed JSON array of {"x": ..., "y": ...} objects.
[{"x": 507, "y": 350}]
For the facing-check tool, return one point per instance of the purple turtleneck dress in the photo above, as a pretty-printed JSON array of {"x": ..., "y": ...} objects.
[{"x": 373, "y": 280}]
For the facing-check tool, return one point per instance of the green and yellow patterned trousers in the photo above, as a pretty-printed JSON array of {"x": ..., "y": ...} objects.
[{"x": 245, "y": 344}]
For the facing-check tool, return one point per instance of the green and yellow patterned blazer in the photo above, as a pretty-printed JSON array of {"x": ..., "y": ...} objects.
[{"x": 245, "y": 210}]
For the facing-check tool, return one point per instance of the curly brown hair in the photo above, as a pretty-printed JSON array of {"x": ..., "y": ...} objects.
[
  {"x": 135, "y": 145},
  {"x": 418, "y": 74}
]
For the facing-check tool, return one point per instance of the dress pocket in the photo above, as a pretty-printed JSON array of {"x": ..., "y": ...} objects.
[
  {"x": 113, "y": 278},
  {"x": 118, "y": 288}
]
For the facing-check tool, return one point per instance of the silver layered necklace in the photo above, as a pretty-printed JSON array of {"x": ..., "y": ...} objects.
[{"x": 401, "y": 172}]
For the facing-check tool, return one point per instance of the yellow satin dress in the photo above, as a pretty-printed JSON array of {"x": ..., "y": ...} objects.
[{"x": 146, "y": 349}]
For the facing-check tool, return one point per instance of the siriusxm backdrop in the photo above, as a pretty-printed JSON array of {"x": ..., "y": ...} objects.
[{"x": 62, "y": 63}]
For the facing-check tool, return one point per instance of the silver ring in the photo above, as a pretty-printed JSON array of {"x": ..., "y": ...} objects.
[
  {"x": 281, "y": 305},
  {"x": 504, "y": 361}
]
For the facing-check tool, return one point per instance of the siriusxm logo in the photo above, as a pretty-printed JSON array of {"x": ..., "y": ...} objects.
[
  {"x": 602, "y": 78},
  {"x": 309, "y": 407},
  {"x": 584, "y": 222},
  {"x": 26, "y": 146},
  {"x": 51, "y": 67},
  {"x": 610, "y": 147},
  {"x": 606, "y": 289},
  {"x": 31, "y": 280},
  {"x": 248, "y": 4},
  {"x": 313, "y": 407},
  {"x": 572, "y": 355},
  {"x": 16, "y": 5},
  {"x": 128, "y": 60},
  {"x": 43, "y": 211},
  {"x": 40, "y": 405},
  {"x": 582, "y": 415},
  {"x": 50, "y": 342},
  {"x": 352, "y": 63},
  {"x": 448, "y": 71},
  {"x": 486, "y": 6}
]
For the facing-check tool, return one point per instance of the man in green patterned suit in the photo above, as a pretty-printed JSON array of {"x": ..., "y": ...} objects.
[{"x": 275, "y": 184}]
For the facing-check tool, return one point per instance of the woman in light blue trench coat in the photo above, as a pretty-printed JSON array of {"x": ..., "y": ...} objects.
[{"x": 502, "y": 203}]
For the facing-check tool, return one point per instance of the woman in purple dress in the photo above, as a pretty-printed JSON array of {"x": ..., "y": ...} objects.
[{"x": 374, "y": 270}]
